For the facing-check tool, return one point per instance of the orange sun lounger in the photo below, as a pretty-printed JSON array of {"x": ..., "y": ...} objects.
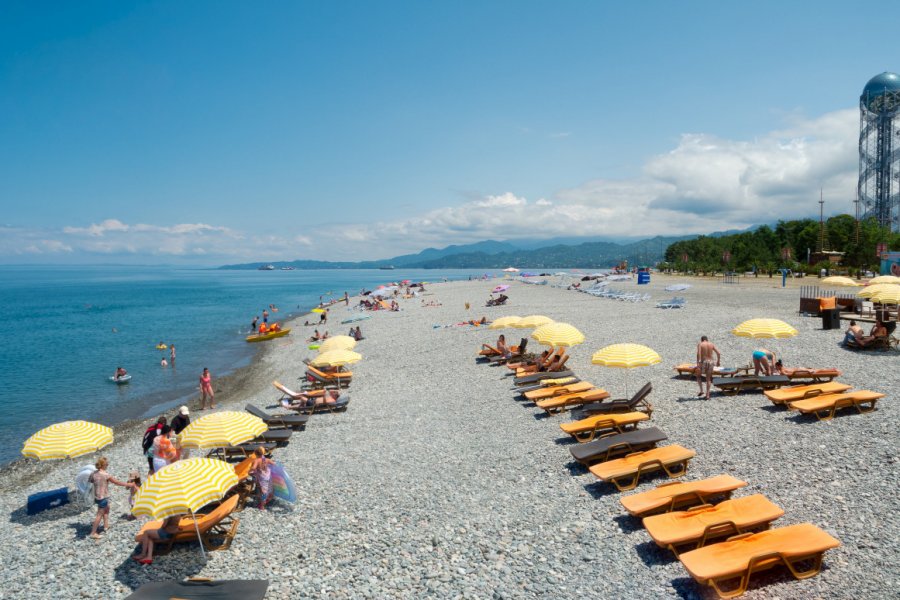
[
  {"x": 727, "y": 566},
  {"x": 814, "y": 375},
  {"x": 825, "y": 406},
  {"x": 556, "y": 390},
  {"x": 587, "y": 429},
  {"x": 698, "y": 526},
  {"x": 558, "y": 404},
  {"x": 217, "y": 529},
  {"x": 624, "y": 473},
  {"x": 676, "y": 495},
  {"x": 800, "y": 392}
]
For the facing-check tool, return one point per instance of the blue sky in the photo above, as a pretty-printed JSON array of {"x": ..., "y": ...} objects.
[{"x": 209, "y": 132}]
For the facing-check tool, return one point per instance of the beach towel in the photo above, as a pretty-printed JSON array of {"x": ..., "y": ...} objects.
[{"x": 282, "y": 485}]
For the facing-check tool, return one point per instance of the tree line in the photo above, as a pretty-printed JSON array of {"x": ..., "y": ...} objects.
[{"x": 787, "y": 245}]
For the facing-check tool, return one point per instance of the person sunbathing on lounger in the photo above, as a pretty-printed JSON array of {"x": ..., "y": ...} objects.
[
  {"x": 878, "y": 331},
  {"x": 305, "y": 401},
  {"x": 853, "y": 335}
]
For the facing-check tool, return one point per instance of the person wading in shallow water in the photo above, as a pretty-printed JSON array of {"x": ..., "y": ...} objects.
[{"x": 206, "y": 389}]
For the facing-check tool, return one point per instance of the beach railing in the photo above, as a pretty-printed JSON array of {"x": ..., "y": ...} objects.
[{"x": 731, "y": 278}]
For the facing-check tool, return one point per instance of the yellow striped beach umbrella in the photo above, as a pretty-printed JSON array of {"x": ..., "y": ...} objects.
[
  {"x": 842, "y": 281},
  {"x": 557, "y": 334},
  {"x": 67, "y": 440},
  {"x": 184, "y": 487},
  {"x": 626, "y": 356},
  {"x": 764, "y": 328},
  {"x": 221, "y": 429},
  {"x": 871, "y": 290},
  {"x": 318, "y": 310},
  {"x": 504, "y": 322},
  {"x": 885, "y": 279},
  {"x": 338, "y": 342},
  {"x": 532, "y": 321},
  {"x": 336, "y": 358},
  {"x": 888, "y": 294}
]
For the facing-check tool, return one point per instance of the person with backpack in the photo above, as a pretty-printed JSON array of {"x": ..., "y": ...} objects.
[{"x": 158, "y": 428}]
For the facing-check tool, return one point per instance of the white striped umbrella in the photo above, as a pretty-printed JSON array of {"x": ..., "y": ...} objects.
[
  {"x": 217, "y": 430},
  {"x": 67, "y": 440},
  {"x": 184, "y": 487}
]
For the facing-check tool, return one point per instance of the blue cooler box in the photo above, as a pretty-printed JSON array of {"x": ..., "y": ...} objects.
[{"x": 44, "y": 500}]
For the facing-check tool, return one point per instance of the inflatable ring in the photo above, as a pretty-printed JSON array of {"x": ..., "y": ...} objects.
[
  {"x": 313, "y": 346},
  {"x": 161, "y": 346}
]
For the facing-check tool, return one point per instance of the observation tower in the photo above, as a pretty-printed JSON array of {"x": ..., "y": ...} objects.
[{"x": 879, "y": 150}]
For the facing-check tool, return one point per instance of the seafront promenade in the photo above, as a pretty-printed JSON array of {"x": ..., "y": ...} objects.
[{"x": 438, "y": 483}]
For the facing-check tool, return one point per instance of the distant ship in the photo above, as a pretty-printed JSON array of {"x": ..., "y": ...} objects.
[
  {"x": 267, "y": 268},
  {"x": 387, "y": 268},
  {"x": 288, "y": 268}
]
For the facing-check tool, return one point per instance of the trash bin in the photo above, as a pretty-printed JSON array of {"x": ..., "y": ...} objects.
[
  {"x": 831, "y": 318},
  {"x": 643, "y": 277}
]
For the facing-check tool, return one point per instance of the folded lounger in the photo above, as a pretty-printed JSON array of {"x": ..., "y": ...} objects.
[
  {"x": 727, "y": 566},
  {"x": 690, "y": 370},
  {"x": 615, "y": 445},
  {"x": 636, "y": 402},
  {"x": 825, "y": 406},
  {"x": 195, "y": 588},
  {"x": 734, "y": 385},
  {"x": 558, "y": 404},
  {"x": 549, "y": 391},
  {"x": 536, "y": 377},
  {"x": 813, "y": 375},
  {"x": 546, "y": 383},
  {"x": 295, "y": 422},
  {"x": 339, "y": 405},
  {"x": 625, "y": 472},
  {"x": 676, "y": 495},
  {"x": 587, "y": 429},
  {"x": 696, "y": 527},
  {"x": 241, "y": 451},
  {"x": 786, "y": 395},
  {"x": 217, "y": 528}
]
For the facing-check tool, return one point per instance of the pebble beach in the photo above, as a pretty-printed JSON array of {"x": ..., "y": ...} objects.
[{"x": 438, "y": 482}]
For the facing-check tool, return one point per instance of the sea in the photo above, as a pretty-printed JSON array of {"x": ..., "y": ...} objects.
[{"x": 67, "y": 328}]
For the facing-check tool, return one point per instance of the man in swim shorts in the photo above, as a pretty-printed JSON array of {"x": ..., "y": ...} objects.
[{"x": 705, "y": 364}]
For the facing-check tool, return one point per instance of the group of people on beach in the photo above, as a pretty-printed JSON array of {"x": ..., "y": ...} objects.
[
  {"x": 764, "y": 362},
  {"x": 854, "y": 335}
]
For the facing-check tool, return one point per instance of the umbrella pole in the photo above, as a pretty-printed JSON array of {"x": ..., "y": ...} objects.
[{"x": 199, "y": 539}]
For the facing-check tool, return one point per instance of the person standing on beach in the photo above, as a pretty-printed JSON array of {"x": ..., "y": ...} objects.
[
  {"x": 265, "y": 316},
  {"x": 101, "y": 480},
  {"x": 206, "y": 390},
  {"x": 705, "y": 366},
  {"x": 158, "y": 428},
  {"x": 346, "y": 299}
]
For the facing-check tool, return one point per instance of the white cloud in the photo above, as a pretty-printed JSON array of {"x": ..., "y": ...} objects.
[{"x": 706, "y": 183}]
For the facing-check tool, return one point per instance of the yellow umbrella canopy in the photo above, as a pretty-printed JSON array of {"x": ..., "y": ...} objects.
[
  {"x": 504, "y": 322},
  {"x": 626, "y": 356},
  {"x": 843, "y": 281},
  {"x": 318, "y": 310},
  {"x": 764, "y": 328},
  {"x": 336, "y": 358},
  {"x": 557, "y": 334},
  {"x": 67, "y": 440},
  {"x": 217, "y": 430},
  {"x": 338, "y": 342},
  {"x": 889, "y": 294},
  {"x": 871, "y": 290},
  {"x": 885, "y": 279},
  {"x": 532, "y": 321}
]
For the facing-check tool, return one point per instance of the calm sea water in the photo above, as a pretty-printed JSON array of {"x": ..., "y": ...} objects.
[{"x": 66, "y": 329}]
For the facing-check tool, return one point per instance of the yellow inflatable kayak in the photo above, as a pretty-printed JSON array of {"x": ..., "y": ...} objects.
[{"x": 261, "y": 337}]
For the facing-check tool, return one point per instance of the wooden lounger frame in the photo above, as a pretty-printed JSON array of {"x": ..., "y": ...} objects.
[
  {"x": 802, "y": 566},
  {"x": 673, "y": 470}
]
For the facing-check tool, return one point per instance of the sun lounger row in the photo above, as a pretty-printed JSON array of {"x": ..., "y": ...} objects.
[
  {"x": 825, "y": 399},
  {"x": 676, "y": 302},
  {"x": 620, "y": 295}
]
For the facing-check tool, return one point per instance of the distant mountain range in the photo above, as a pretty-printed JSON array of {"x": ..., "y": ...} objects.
[{"x": 561, "y": 253}]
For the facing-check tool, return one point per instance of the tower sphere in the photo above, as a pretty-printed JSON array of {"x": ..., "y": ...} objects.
[{"x": 877, "y": 87}]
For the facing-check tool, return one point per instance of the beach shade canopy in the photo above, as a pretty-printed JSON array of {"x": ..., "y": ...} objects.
[
  {"x": 336, "y": 358},
  {"x": 557, "y": 334},
  {"x": 764, "y": 328},
  {"x": 887, "y": 294},
  {"x": 221, "y": 429},
  {"x": 184, "y": 487},
  {"x": 504, "y": 322},
  {"x": 872, "y": 290},
  {"x": 338, "y": 342},
  {"x": 67, "y": 440},
  {"x": 500, "y": 288},
  {"x": 626, "y": 356},
  {"x": 532, "y": 321},
  {"x": 510, "y": 270},
  {"x": 318, "y": 310},
  {"x": 885, "y": 279},
  {"x": 841, "y": 281}
]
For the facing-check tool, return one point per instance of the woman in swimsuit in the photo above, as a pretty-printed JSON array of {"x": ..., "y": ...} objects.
[
  {"x": 763, "y": 360},
  {"x": 151, "y": 536},
  {"x": 206, "y": 390}
]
